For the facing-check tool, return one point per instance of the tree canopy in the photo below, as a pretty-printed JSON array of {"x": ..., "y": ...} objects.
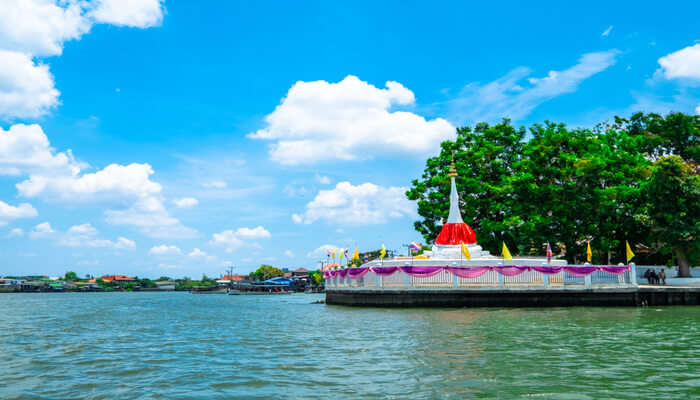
[
  {"x": 635, "y": 179},
  {"x": 71, "y": 276},
  {"x": 266, "y": 272}
]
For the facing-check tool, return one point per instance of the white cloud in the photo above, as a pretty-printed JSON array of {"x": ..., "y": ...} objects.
[
  {"x": 296, "y": 190},
  {"x": 39, "y": 28},
  {"x": 26, "y": 88},
  {"x": 197, "y": 253},
  {"x": 85, "y": 235},
  {"x": 226, "y": 239},
  {"x": 289, "y": 253},
  {"x": 123, "y": 243},
  {"x": 16, "y": 232},
  {"x": 682, "y": 64},
  {"x": 348, "y": 120},
  {"x": 215, "y": 184},
  {"x": 114, "y": 181},
  {"x": 365, "y": 204},
  {"x": 26, "y": 149},
  {"x": 151, "y": 218},
  {"x": 42, "y": 230},
  {"x": 134, "y": 13},
  {"x": 324, "y": 180},
  {"x": 607, "y": 31},
  {"x": 697, "y": 110},
  {"x": 186, "y": 202},
  {"x": 234, "y": 239},
  {"x": 57, "y": 176},
  {"x": 511, "y": 97},
  {"x": 321, "y": 251},
  {"x": 256, "y": 233},
  {"x": 165, "y": 250},
  {"x": 24, "y": 210}
]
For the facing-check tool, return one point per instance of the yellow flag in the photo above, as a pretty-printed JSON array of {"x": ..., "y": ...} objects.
[
  {"x": 340, "y": 254},
  {"x": 382, "y": 252},
  {"x": 589, "y": 253},
  {"x": 506, "y": 253},
  {"x": 465, "y": 252},
  {"x": 630, "y": 254},
  {"x": 355, "y": 255},
  {"x": 333, "y": 255}
]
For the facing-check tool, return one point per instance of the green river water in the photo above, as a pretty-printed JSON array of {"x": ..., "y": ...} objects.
[{"x": 183, "y": 346}]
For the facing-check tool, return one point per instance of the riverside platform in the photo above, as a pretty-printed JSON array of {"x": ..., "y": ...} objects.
[
  {"x": 457, "y": 272},
  {"x": 642, "y": 295}
]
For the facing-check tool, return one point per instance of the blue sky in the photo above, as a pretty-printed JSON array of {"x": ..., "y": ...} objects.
[{"x": 173, "y": 138}]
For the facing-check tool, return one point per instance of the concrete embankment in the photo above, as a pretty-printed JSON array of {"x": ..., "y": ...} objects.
[{"x": 641, "y": 296}]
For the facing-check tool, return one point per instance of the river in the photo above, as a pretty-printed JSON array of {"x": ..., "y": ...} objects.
[{"x": 182, "y": 346}]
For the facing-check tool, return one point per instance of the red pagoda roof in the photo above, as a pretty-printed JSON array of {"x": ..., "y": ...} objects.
[{"x": 455, "y": 234}]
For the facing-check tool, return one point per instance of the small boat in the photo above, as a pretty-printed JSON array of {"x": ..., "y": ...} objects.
[
  {"x": 208, "y": 290},
  {"x": 233, "y": 292}
]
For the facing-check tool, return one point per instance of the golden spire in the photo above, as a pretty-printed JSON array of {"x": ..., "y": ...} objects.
[{"x": 453, "y": 170}]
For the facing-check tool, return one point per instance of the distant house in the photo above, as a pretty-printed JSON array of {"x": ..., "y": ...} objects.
[
  {"x": 228, "y": 279},
  {"x": 90, "y": 285},
  {"x": 300, "y": 273},
  {"x": 11, "y": 282},
  {"x": 278, "y": 281},
  {"x": 117, "y": 278}
]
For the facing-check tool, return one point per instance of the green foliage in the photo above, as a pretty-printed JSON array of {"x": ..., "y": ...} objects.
[
  {"x": 485, "y": 159},
  {"x": 70, "y": 276},
  {"x": 146, "y": 283},
  {"x": 186, "y": 283},
  {"x": 206, "y": 281},
  {"x": 315, "y": 277},
  {"x": 266, "y": 272},
  {"x": 566, "y": 186},
  {"x": 672, "y": 209}
]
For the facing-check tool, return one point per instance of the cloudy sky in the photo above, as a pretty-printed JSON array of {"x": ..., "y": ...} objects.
[{"x": 171, "y": 138}]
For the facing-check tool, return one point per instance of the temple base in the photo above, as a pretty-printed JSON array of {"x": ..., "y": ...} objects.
[
  {"x": 455, "y": 252},
  {"x": 515, "y": 297}
]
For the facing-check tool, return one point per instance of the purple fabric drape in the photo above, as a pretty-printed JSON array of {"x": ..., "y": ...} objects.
[
  {"x": 468, "y": 273},
  {"x": 384, "y": 271},
  {"x": 547, "y": 270},
  {"x": 472, "y": 272},
  {"x": 614, "y": 270},
  {"x": 580, "y": 271},
  {"x": 421, "y": 272},
  {"x": 357, "y": 273},
  {"x": 511, "y": 270}
]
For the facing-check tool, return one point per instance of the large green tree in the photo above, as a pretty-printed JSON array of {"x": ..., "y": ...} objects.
[
  {"x": 266, "y": 272},
  {"x": 672, "y": 210},
  {"x": 579, "y": 185},
  {"x": 486, "y": 159},
  {"x": 70, "y": 276},
  {"x": 569, "y": 186}
]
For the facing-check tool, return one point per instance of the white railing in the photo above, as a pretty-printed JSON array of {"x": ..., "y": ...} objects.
[{"x": 491, "y": 279}]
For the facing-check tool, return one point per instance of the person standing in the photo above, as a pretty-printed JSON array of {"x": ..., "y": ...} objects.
[
  {"x": 647, "y": 275},
  {"x": 654, "y": 277},
  {"x": 662, "y": 276}
]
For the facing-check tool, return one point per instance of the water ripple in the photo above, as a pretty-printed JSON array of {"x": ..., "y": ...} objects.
[{"x": 180, "y": 346}]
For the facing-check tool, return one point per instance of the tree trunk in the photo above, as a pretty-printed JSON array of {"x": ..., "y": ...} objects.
[{"x": 683, "y": 264}]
